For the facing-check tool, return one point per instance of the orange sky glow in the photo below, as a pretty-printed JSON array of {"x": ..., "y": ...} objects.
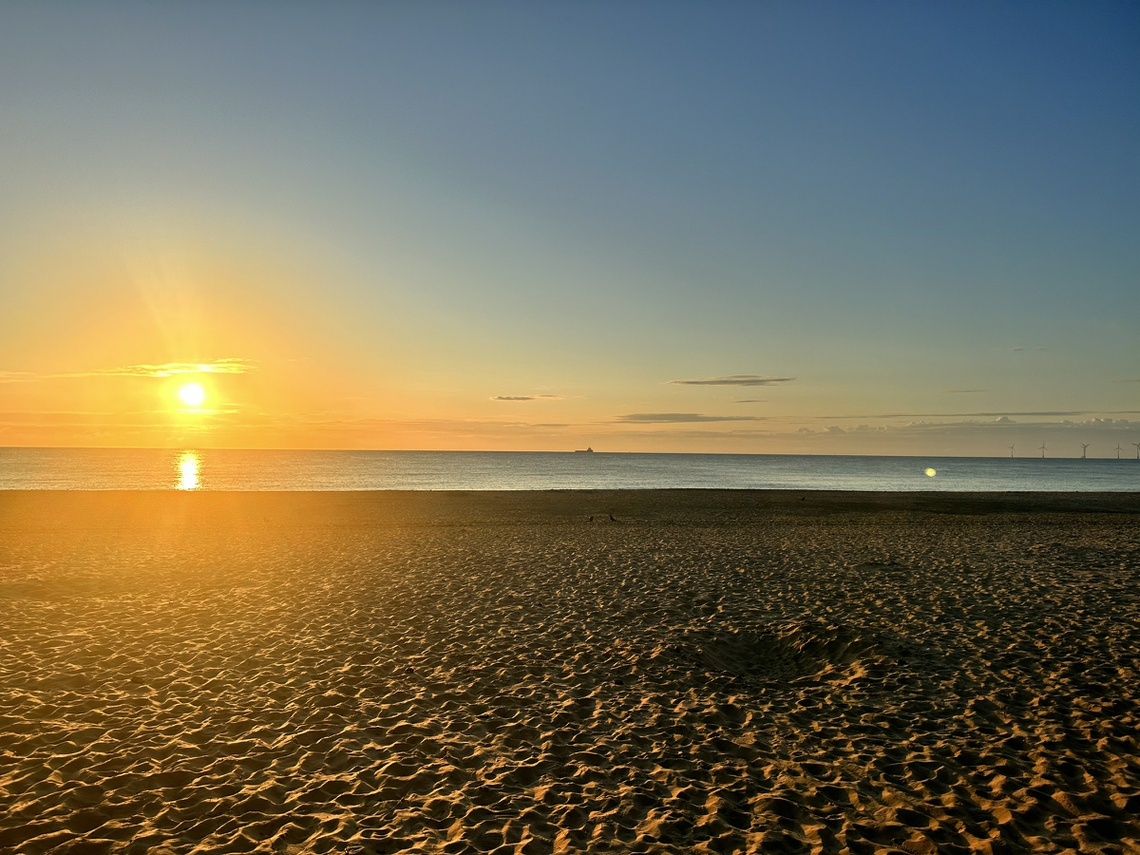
[{"x": 764, "y": 229}]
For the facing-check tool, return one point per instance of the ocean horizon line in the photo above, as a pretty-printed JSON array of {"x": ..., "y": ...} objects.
[
  {"x": 371, "y": 469},
  {"x": 304, "y": 450}
]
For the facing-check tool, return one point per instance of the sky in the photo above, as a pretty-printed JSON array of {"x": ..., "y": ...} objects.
[{"x": 762, "y": 227}]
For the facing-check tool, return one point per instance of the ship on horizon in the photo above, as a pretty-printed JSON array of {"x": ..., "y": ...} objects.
[{"x": 586, "y": 450}]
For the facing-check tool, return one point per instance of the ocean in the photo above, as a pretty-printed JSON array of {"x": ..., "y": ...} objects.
[{"x": 198, "y": 469}]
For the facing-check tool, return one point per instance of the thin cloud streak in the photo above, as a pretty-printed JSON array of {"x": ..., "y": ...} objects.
[
  {"x": 171, "y": 369},
  {"x": 525, "y": 397},
  {"x": 994, "y": 415},
  {"x": 53, "y": 418},
  {"x": 167, "y": 369},
  {"x": 681, "y": 418},
  {"x": 735, "y": 380},
  {"x": 1002, "y": 425},
  {"x": 17, "y": 377}
]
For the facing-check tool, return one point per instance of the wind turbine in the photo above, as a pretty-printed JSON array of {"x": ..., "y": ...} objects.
[
  {"x": 1118, "y": 450},
  {"x": 1137, "y": 444},
  {"x": 1011, "y": 451},
  {"x": 1042, "y": 451},
  {"x": 1084, "y": 450}
]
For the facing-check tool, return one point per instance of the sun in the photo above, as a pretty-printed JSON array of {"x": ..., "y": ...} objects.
[{"x": 192, "y": 394}]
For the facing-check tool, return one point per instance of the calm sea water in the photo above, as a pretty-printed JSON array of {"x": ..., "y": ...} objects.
[{"x": 190, "y": 469}]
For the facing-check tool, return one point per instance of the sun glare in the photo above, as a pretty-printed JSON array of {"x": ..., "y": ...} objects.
[{"x": 192, "y": 394}]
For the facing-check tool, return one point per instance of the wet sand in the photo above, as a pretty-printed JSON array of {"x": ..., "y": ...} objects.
[{"x": 690, "y": 671}]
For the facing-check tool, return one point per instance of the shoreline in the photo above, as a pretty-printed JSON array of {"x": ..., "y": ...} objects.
[{"x": 556, "y": 503}]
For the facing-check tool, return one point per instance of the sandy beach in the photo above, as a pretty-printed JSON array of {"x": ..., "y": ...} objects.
[{"x": 689, "y": 671}]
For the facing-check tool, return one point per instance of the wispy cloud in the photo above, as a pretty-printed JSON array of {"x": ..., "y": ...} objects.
[
  {"x": 963, "y": 391},
  {"x": 750, "y": 400},
  {"x": 17, "y": 377},
  {"x": 171, "y": 369},
  {"x": 83, "y": 419},
  {"x": 735, "y": 380},
  {"x": 332, "y": 421},
  {"x": 1002, "y": 423},
  {"x": 525, "y": 397},
  {"x": 990, "y": 415},
  {"x": 681, "y": 418},
  {"x": 166, "y": 369}
]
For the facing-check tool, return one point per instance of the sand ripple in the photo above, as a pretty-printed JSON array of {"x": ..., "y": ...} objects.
[{"x": 514, "y": 678}]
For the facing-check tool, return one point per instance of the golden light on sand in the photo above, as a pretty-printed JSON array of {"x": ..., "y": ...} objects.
[
  {"x": 192, "y": 394},
  {"x": 820, "y": 659},
  {"x": 188, "y": 467},
  {"x": 930, "y": 472}
]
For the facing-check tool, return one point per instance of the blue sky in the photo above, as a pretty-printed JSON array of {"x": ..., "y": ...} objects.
[{"x": 404, "y": 213}]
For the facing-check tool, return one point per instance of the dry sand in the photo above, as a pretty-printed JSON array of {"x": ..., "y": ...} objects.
[{"x": 707, "y": 671}]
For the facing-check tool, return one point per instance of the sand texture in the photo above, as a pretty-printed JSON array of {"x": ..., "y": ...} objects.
[{"x": 691, "y": 671}]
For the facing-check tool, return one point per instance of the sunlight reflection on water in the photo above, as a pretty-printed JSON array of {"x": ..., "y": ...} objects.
[{"x": 188, "y": 467}]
